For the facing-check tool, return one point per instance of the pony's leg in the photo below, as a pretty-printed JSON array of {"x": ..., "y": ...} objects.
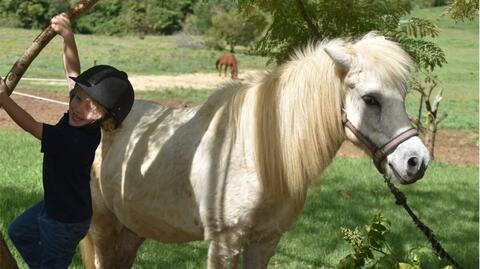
[
  {"x": 225, "y": 71},
  {"x": 127, "y": 247},
  {"x": 104, "y": 236},
  {"x": 224, "y": 251},
  {"x": 257, "y": 252},
  {"x": 88, "y": 252},
  {"x": 103, "y": 231}
]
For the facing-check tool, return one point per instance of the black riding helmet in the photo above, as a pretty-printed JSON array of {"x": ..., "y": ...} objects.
[{"x": 109, "y": 87}]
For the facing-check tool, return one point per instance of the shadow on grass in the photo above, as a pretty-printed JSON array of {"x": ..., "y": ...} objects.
[
  {"x": 13, "y": 202},
  {"x": 351, "y": 200},
  {"x": 158, "y": 255},
  {"x": 316, "y": 240}
]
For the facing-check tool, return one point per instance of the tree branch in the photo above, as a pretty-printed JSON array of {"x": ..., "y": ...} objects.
[
  {"x": 417, "y": 122},
  {"x": 436, "y": 101},
  {"x": 22, "y": 64},
  {"x": 441, "y": 118},
  {"x": 313, "y": 28},
  {"x": 6, "y": 259}
]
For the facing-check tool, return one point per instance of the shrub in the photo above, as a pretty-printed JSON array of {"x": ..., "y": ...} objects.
[{"x": 371, "y": 249}]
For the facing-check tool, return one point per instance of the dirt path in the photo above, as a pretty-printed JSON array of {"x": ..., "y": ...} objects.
[
  {"x": 195, "y": 81},
  {"x": 199, "y": 81},
  {"x": 453, "y": 146}
]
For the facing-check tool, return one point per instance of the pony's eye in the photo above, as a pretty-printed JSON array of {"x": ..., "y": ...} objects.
[{"x": 370, "y": 100}]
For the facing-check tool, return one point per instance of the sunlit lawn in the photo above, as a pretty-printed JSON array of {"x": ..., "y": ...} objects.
[{"x": 347, "y": 195}]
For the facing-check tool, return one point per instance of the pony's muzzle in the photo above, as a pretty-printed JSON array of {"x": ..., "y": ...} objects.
[{"x": 409, "y": 161}]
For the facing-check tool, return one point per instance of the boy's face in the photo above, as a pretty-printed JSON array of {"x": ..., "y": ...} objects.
[{"x": 82, "y": 110}]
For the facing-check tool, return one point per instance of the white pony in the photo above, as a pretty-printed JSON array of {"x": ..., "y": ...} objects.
[{"x": 235, "y": 170}]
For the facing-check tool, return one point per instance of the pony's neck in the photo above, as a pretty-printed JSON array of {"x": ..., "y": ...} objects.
[{"x": 298, "y": 126}]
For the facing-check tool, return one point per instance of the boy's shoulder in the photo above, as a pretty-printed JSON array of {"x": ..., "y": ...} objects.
[{"x": 70, "y": 139}]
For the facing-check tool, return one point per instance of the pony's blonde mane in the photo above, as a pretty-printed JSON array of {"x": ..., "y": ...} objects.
[
  {"x": 297, "y": 112},
  {"x": 298, "y": 123}
]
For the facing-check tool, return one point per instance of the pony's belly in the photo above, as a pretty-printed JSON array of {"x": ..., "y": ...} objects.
[
  {"x": 168, "y": 219},
  {"x": 165, "y": 230}
]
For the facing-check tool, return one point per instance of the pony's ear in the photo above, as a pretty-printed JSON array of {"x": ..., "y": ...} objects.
[{"x": 340, "y": 56}]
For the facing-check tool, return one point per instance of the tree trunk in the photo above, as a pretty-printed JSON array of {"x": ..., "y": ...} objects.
[
  {"x": 21, "y": 65},
  {"x": 6, "y": 259}
]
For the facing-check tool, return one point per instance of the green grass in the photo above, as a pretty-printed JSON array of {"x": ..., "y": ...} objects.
[
  {"x": 159, "y": 55},
  {"x": 151, "y": 55},
  {"x": 190, "y": 97},
  {"x": 459, "y": 77},
  {"x": 461, "y": 114},
  {"x": 459, "y": 41},
  {"x": 348, "y": 195}
]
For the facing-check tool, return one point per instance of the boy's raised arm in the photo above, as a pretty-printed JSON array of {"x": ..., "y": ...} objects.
[
  {"x": 61, "y": 25},
  {"x": 18, "y": 115}
]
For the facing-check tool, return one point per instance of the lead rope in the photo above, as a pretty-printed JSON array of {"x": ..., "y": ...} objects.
[{"x": 401, "y": 199}]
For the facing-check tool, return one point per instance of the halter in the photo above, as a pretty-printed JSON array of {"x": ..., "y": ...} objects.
[{"x": 379, "y": 153}]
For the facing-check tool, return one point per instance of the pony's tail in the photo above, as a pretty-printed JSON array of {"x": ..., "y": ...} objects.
[
  {"x": 216, "y": 64},
  {"x": 88, "y": 252}
]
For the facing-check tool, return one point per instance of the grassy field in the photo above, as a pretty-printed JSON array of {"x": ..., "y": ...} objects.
[
  {"x": 459, "y": 77},
  {"x": 153, "y": 55},
  {"x": 446, "y": 199}
]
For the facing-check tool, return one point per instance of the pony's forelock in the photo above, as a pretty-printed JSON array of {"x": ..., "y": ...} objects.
[{"x": 387, "y": 59}]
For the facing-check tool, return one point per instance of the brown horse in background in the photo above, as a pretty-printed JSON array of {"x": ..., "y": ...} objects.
[{"x": 227, "y": 60}]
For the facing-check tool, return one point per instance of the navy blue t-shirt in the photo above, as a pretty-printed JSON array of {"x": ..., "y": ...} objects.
[{"x": 68, "y": 156}]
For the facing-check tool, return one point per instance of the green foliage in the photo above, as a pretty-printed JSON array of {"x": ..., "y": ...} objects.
[
  {"x": 147, "y": 16},
  {"x": 103, "y": 18},
  {"x": 107, "y": 17},
  {"x": 203, "y": 11},
  {"x": 31, "y": 14},
  {"x": 166, "y": 17},
  {"x": 461, "y": 10},
  {"x": 427, "y": 54},
  {"x": 234, "y": 28},
  {"x": 372, "y": 250},
  {"x": 419, "y": 27},
  {"x": 411, "y": 34},
  {"x": 291, "y": 28},
  {"x": 295, "y": 23},
  {"x": 365, "y": 246}
]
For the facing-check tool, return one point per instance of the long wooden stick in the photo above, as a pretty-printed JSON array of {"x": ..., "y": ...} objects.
[
  {"x": 13, "y": 77},
  {"x": 22, "y": 64},
  {"x": 6, "y": 259}
]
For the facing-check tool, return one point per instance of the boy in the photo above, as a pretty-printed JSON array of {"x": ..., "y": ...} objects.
[{"x": 46, "y": 235}]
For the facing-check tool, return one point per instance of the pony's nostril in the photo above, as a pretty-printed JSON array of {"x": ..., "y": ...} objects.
[
  {"x": 413, "y": 162},
  {"x": 416, "y": 168}
]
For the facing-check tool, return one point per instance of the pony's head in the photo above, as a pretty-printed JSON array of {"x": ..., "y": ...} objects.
[{"x": 375, "y": 75}]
